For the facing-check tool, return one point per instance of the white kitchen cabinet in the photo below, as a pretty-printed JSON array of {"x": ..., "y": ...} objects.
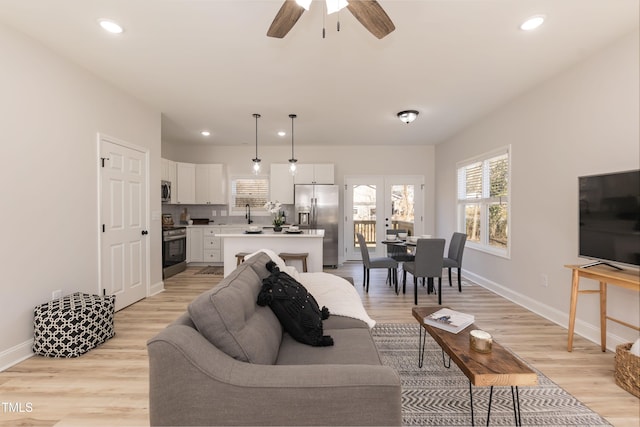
[
  {"x": 186, "y": 183},
  {"x": 195, "y": 246},
  {"x": 321, "y": 173},
  {"x": 212, "y": 245},
  {"x": 281, "y": 183},
  {"x": 210, "y": 184}
]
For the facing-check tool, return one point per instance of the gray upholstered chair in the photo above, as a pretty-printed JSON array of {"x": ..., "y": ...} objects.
[
  {"x": 428, "y": 264},
  {"x": 454, "y": 257},
  {"x": 382, "y": 262}
]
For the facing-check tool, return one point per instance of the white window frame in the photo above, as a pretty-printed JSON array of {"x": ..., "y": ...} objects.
[
  {"x": 484, "y": 200},
  {"x": 240, "y": 211}
]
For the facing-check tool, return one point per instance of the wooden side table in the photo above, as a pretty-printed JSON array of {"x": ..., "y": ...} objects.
[{"x": 605, "y": 275}]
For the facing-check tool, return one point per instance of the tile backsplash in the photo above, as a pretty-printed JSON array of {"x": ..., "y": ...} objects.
[{"x": 220, "y": 214}]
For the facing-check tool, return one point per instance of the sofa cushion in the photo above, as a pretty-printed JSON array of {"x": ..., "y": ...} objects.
[
  {"x": 294, "y": 306},
  {"x": 352, "y": 347},
  {"x": 229, "y": 318}
]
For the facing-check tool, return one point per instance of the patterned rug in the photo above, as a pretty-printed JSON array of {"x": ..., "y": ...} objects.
[
  {"x": 437, "y": 396},
  {"x": 212, "y": 269}
]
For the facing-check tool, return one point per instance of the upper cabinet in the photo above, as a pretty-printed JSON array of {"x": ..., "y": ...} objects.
[
  {"x": 210, "y": 184},
  {"x": 315, "y": 174},
  {"x": 281, "y": 183},
  {"x": 185, "y": 190}
]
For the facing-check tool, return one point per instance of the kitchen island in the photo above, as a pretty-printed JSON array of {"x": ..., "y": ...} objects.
[{"x": 309, "y": 241}]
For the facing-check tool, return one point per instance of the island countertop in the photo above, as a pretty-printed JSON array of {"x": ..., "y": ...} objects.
[{"x": 308, "y": 241}]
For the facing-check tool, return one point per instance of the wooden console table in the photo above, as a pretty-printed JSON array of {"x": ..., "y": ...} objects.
[
  {"x": 606, "y": 276},
  {"x": 500, "y": 367}
]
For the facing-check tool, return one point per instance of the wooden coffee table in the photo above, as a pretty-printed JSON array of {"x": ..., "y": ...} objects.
[{"x": 498, "y": 368}]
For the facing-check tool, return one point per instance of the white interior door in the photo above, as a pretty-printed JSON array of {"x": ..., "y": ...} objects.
[
  {"x": 374, "y": 204},
  {"x": 123, "y": 222}
]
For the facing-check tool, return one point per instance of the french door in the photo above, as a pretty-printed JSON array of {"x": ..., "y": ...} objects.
[{"x": 374, "y": 204}]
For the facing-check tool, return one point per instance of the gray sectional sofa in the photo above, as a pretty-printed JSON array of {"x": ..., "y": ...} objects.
[{"x": 227, "y": 361}]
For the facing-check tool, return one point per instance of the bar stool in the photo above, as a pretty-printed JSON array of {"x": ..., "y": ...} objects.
[
  {"x": 240, "y": 257},
  {"x": 295, "y": 257}
]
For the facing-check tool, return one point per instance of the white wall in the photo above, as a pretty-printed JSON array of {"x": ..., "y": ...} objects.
[
  {"x": 51, "y": 112},
  {"x": 582, "y": 121}
]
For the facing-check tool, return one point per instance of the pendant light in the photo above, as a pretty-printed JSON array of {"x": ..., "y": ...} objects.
[
  {"x": 256, "y": 161},
  {"x": 292, "y": 160}
]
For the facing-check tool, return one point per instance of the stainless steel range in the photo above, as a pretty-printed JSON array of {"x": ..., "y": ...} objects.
[{"x": 174, "y": 250}]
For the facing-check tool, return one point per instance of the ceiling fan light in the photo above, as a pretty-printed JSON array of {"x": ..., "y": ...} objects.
[
  {"x": 407, "y": 116},
  {"x": 336, "y": 5},
  {"x": 532, "y": 23},
  {"x": 304, "y": 3},
  {"x": 110, "y": 26}
]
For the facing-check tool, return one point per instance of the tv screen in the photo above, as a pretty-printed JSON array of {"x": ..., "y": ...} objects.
[{"x": 610, "y": 217}]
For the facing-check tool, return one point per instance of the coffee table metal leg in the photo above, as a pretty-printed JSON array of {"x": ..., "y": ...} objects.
[
  {"x": 446, "y": 365},
  {"x": 516, "y": 405},
  {"x": 471, "y": 400},
  {"x": 421, "y": 343}
]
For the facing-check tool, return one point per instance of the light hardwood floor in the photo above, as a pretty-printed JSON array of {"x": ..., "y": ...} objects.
[{"x": 109, "y": 385}]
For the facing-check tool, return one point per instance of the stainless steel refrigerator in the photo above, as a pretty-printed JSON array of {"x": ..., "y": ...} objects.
[{"x": 317, "y": 208}]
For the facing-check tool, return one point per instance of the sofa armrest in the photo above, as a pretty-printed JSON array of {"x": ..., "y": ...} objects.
[{"x": 191, "y": 382}]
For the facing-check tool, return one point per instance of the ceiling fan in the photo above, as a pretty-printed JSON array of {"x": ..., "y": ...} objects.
[{"x": 368, "y": 12}]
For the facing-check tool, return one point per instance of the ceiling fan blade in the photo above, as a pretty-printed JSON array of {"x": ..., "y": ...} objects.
[
  {"x": 372, "y": 16},
  {"x": 286, "y": 18}
]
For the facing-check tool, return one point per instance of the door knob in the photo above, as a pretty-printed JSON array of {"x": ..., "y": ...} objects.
[{"x": 145, "y": 232}]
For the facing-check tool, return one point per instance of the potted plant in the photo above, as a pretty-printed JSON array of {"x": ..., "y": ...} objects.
[{"x": 278, "y": 217}]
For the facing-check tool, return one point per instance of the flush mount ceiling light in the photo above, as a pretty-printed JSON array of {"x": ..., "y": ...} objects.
[
  {"x": 408, "y": 116},
  {"x": 110, "y": 26},
  {"x": 256, "y": 161},
  {"x": 532, "y": 23},
  {"x": 205, "y": 133},
  {"x": 282, "y": 133},
  {"x": 292, "y": 160}
]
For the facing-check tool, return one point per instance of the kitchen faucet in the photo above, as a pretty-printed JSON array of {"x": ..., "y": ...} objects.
[{"x": 247, "y": 214}]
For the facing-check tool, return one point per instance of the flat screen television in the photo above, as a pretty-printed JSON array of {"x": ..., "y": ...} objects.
[{"x": 610, "y": 217}]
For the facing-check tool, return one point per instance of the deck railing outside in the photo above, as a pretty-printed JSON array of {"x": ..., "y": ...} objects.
[{"x": 368, "y": 229}]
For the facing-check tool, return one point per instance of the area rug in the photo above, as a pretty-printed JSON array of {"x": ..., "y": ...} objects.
[
  {"x": 212, "y": 269},
  {"x": 436, "y": 396}
]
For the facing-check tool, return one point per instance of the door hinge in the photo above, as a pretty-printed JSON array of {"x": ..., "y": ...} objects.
[{"x": 102, "y": 159}]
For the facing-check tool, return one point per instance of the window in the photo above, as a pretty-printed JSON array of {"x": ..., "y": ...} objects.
[
  {"x": 483, "y": 201},
  {"x": 249, "y": 190}
]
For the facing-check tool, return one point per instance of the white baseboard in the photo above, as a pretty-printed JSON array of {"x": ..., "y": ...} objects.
[
  {"x": 156, "y": 288},
  {"x": 560, "y": 318},
  {"x": 16, "y": 354}
]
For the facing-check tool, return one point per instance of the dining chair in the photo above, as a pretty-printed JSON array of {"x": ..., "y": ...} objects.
[
  {"x": 381, "y": 262},
  {"x": 427, "y": 264},
  {"x": 454, "y": 257}
]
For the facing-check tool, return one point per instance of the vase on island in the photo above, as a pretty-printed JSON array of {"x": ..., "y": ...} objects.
[{"x": 277, "y": 228}]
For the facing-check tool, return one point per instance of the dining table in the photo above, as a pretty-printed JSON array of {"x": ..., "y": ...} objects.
[{"x": 410, "y": 247}]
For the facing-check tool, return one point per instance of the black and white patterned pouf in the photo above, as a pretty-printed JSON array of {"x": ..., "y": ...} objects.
[{"x": 72, "y": 325}]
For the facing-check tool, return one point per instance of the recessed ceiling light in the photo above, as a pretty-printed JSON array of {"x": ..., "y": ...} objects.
[
  {"x": 532, "y": 23},
  {"x": 205, "y": 133},
  {"x": 282, "y": 133},
  {"x": 110, "y": 26}
]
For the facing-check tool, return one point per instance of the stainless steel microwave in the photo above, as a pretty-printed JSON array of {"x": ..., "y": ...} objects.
[{"x": 165, "y": 194}]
